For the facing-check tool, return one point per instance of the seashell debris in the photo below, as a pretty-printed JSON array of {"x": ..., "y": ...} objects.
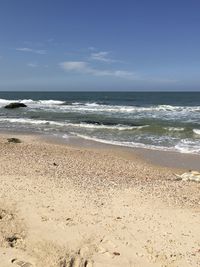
[{"x": 189, "y": 176}]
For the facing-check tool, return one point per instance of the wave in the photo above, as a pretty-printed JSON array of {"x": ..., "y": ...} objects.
[
  {"x": 99, "y": 107},
  {"x": 172, "y": 144},
  {"x": 32, "y": 102},
  {"x": 188, "y": 146},
  {"x": 118, "y": 143},
  {"x": 184, "y": 146},
  {"x": 174, "y": 129},
  {"x": 93, "y": 104},
  {"x": 190, "y": 112},
  {"x": 118, "y": 127},
  {"x": 196, "y": 131},
  {"x": 51, "y": 102},
  {"x": 29, "y": 121}
]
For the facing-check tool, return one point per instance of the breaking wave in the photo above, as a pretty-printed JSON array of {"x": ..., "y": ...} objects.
[
  {"x": 184, "y": 146},
  {"x": 112, "y": 120},
  {"x": 80, "y": 125},
  {"x": 93, "y": 106}
]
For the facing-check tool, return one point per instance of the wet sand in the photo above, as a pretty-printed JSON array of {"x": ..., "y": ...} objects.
[
  {"x": 176, "y": 160},
  {"x": 84, "y": 205}
]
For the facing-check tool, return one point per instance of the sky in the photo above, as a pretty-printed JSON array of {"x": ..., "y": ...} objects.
[{"x": 99, "y": 45}]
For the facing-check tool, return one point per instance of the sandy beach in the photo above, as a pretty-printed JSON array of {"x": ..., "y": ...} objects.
[{"x": 65, "y": 206}]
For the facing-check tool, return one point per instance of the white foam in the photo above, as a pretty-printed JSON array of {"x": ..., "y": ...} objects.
[
  {"x": 32, "y": 103},
  {"x": 196, "y": 131},
  {"x": 5, "y": 102},
  {"x": 162, "y": 110},
  {"x": 95, "y": 107},
  {"x": 118, "y": 143},
  {"x": 188, "y": 146},
  {"x": 184, "y": 146},
  {"x": 77, "y": 103},
  {"x": 174, "y": 129},
  {"x": 118, "y": 127},
  {"x": 78, "y": 125},
  {"x": 92, "y": 104},
  {"x": 30, "y": 121},
  {"x": 51, "y": 102}
]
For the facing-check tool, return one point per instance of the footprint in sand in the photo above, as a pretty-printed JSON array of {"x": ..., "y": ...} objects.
[{"x": 76, "y": 261}]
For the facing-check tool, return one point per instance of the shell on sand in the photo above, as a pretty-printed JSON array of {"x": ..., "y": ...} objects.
[
  {"x": 195, "y": 173},
  {"x": 189, "y": 176}
]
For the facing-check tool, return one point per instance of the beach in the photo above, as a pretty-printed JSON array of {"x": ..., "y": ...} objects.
[
  {"x": 70, "y": 205},
  {"x": 99, "y": 133}
]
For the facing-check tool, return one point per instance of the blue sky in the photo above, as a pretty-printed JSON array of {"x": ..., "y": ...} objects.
[{"x": 99, "y": 45}]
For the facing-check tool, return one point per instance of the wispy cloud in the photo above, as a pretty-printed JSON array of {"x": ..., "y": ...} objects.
[
  {"x": 102, "y": 56},
  {"x": 30, "y": 50},
  {"x": 92, "y": 48},
  {"x": 36, "y": 65},
  {"x": 163, "y": 80},
  {"x": 32, "y": 65},
  {"x": 78, "y": 66},
  {"x": 85, "y": 68}
]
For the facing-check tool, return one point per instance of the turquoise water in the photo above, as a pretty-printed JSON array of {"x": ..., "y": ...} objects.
[{"x": 165, "y": 121}]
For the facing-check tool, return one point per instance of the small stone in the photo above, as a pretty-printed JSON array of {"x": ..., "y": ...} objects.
[
  {"x": 116, "y": 253},
  {"x": 14, "y": 140}
]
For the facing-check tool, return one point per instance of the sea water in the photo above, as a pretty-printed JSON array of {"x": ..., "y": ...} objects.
[{"x": 164, "y": 121}]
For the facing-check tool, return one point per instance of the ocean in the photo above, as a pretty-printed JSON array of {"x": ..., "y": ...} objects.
[{"x": 157, "y": 120}]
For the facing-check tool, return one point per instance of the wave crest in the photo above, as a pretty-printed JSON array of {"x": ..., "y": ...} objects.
[{"x": 118, "y": 127}]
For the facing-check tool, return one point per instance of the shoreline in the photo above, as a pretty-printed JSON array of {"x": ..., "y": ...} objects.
[{"x": 168, "y": 159}]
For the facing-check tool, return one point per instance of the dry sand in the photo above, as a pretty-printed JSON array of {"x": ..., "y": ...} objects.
[{"x": 68, "y": 207}]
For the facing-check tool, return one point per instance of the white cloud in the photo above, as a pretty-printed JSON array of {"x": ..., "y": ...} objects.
[
  {"x": 92, "y": 48},
  {"x": 75, "y": 66},
  {"x": 101, "y": 56},
  {"x": 26, "y": 49},
  {"x": 124, "y": 74},
  {"x": 32, "y": 65},
  {"x": 85, "y": 68},
  {"x": 35, "y": 65}
]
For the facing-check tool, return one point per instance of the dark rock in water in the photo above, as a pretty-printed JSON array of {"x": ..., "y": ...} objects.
[
  {"x": 92, "y": 122},
  {"x": 110, "y": 123},
  {"x": 14, "y": 140},
  {"x": 99, "y": 123},
  {"x": 34, "y": 116},
  {"x": 15, "y": 105}
]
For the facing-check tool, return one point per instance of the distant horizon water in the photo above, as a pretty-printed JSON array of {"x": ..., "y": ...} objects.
[
  {"x": 157, "y": 120},
  {"x": 100, "y": 91}
]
